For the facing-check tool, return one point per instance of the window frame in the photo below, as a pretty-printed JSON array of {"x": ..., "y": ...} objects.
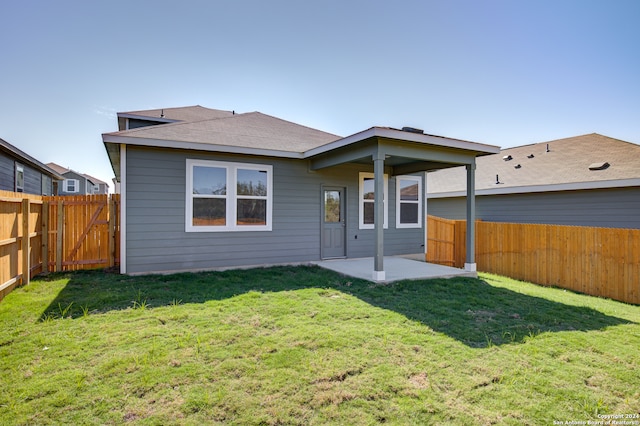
[
  {"x": 399, "y": 201},
  {"x": 76, "y": 186},
  {"x": 231, "y": 197},
  {"x": 361, "y": 201},
  {"x": 19, "y": 178}
]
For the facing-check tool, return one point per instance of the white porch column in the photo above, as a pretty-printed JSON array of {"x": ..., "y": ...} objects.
[
  {"x": 378, "y": 218},
  {"x": 470, "y": 262}
]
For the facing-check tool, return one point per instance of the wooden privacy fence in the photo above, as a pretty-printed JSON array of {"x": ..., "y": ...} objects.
[
  {"x": 62, "y": 233},
  {"x": 602, "y": 262}
]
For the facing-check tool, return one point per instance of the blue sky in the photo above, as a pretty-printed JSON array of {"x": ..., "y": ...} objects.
[{"x": 500, "y": 72}]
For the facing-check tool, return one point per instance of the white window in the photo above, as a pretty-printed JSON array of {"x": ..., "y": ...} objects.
[
  {"x": 367, "y": 200},
  {"x": 19, "y": 178},
  {"x": 71, "y": 185},
  {"x": 408, "y": 202},
  {"x": 225, "y": 196}
]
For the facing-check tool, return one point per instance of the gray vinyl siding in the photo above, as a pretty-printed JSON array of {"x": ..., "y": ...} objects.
[
  {"x": 610, "y": 208},
  {"x": 155, "y": 218},
  {"x": 82, "y": 184},
  {"x": 7, "y": 173},
  {"x": 33, "y": 177},
  {"x": 32, "y": 180},
  {"x": 135, "y": 123}
]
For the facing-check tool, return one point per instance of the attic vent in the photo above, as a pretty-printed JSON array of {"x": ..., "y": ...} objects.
[
  {"x": 413, "y": 130},
  {"x": 517, "y": 166},
  {"x": 530, "y": 156},
  {"x": 507, "y": 158},
  {"x": 599, "y": 166}
]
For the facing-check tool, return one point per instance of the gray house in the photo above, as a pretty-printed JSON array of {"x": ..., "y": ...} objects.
[
  {"x": 20, "y": 172},
  {"x": 76, "y": 183},
  {"x": 588, "y": 180},
  {"x": 206, "y": 189}
]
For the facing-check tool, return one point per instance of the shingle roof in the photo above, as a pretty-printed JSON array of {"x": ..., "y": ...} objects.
[
  {"x": 189, "y": 113},
  {"x": 251, "y": 130},
  {"x": 62, "y": 170},
  {"x": 58, "y": 168},
  {"x": 566, "y": 162}
]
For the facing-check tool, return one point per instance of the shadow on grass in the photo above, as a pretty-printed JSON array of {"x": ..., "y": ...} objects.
[{"x": 466, "y": 309}]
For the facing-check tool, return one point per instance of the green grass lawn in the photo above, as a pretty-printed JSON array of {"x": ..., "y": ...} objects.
[{"x": 302, "y": 345}]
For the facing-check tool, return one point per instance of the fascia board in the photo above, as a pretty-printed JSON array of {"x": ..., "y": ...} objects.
[
  {"x": 404, "y": 136},
  {"x": 161, "y": 143},
  {"x": 572, "y": 186}
]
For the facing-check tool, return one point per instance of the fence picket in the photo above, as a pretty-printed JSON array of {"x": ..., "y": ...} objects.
[
  {"x": 601, "y": 262},
  {"x": 59, "y": 233}
]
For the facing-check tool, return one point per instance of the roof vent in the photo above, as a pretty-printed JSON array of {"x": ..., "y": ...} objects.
[
  {"x": 599, "y": 166},
  {"x": 162, "y": 113},
  {"x": 530, "y": 156},
  {"x": 498, "y": 180},
  {"x": 548, "y": 150},
  {"x": 518, "y": 166},
  {"x": 507, "y": 158},
  {"x": 413, "y": 130}
]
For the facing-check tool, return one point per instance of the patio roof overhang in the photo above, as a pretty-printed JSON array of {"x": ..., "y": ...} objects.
[{"x": 404, "y": 152}]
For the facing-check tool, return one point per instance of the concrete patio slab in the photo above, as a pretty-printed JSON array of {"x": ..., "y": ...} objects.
[{"x": 396, "y": 267}]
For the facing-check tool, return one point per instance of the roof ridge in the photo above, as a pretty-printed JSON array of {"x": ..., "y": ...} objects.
[{"x": 297, "y": 124}]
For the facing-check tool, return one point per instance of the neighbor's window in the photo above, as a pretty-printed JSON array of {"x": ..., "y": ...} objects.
[
  {"x": 71, "y": 185},
  {"x": 225, "y": 196},
  {"x": 408, "y": 202},
  {"x": 367, "y": 200},
  {"x": 19, "y": 178}
]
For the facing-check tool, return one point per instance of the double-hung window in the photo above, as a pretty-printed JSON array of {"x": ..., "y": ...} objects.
[
  {"x": 71, "y": 185},
  {"x": 408, "y": 202},
  {"x": 223, "y": 196},
  {"x": 367, "y": 200}
]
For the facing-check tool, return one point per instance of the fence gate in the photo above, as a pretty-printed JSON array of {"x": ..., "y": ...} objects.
[
  {"x": 441, "y": 241},
  {"x": 82, "y": 231}
]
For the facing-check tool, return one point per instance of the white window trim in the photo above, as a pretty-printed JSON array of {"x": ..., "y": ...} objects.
[
  {"x": 361, "y": 177},
  {"x": 231, "y": 197},
  {"x": 76, "y": 187},
  {"x": 418, "y": 202}
]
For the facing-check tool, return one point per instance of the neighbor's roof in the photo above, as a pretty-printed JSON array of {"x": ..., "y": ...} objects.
[
  {"x": 27, "y": 159},
  {"x": 62, "y": 170},
  {"x": 565, "y": 166}
]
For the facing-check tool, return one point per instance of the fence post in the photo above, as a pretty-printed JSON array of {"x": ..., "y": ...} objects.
[
  {"x": 59, "y": 238},
  {"x": 112, "y": 232},
  {"x": 45, "y": 237},
  {"x": 26, "y": 242}
]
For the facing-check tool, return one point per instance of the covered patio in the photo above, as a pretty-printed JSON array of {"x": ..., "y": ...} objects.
[
  {"x": 397, "y": 268},
  {"x": 401, "y": 152}
]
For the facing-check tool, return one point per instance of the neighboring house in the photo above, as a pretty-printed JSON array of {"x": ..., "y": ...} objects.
[
  {"x": 207, "y": 189},
  {"x": 20, "y": 172},
  {"x": 588, "y": 180},
  {"x": 76, "y": 183}
]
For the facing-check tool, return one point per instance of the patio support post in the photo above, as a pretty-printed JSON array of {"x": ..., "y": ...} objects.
[
  {"x": 378, "y": 218},
  {"x": 470, "y": 261}
]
